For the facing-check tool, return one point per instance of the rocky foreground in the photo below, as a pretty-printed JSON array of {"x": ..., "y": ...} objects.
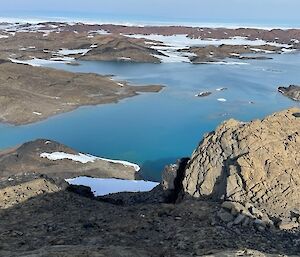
[
  {"x": 29, "y": 94},
  {"x": 238, "y": 195}
]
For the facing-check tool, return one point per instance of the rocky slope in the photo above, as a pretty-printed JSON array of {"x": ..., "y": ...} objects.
[
  {"x": 254, "y": 164},
  {"x": 64, "y": 223},
  {"x": 29, "y": 158},
  {"x": 292, "y": 92}
]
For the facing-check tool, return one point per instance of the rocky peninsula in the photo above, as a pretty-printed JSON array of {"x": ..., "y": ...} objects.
[
  {"x": 236, "y": 196},
  {"x": 30, "y": 94}
]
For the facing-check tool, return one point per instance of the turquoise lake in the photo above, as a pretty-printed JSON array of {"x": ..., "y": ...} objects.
[{"x": 154, "y": 129}]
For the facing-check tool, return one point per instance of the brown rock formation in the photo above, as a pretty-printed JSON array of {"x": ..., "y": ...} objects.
[{"x": 256, "y": 163}]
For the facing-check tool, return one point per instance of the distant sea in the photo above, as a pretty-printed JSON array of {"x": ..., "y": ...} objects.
[{"x": 35, "y": 17}]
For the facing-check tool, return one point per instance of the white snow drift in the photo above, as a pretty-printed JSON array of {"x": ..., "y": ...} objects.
[
  {"x": 104, "y": 186},
  {"x": 84, "y": 158}
]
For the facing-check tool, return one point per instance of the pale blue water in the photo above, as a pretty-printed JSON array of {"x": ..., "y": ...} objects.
[{"x": 155, "y": 129}]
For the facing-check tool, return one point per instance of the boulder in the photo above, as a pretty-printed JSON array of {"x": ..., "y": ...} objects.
[
  {"x": 225, "y": 216},
  {"x": 288, "y": 225}
]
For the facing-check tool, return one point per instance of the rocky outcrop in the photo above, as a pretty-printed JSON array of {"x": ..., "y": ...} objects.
[
  {"x": 172, "y": 177},
  {"x": 29, "y": 158},
  {"x": 120, "y": 48},
  {"x": 292, "y": 92},
  {"x": 17, "y": 191},
  {"x": 256, "y": 164}
]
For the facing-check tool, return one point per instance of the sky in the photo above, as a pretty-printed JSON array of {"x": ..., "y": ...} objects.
[{"x": 234, "y": 11}]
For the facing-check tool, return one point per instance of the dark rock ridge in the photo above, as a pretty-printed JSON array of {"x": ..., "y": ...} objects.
[
  {"x": 292, "y": 92},
  {"x": 255, "y": 164},
  {"x": 27, "y": 159}
]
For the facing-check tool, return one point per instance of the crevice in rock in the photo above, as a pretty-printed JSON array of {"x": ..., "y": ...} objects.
[{"x": 177, "y": 193}]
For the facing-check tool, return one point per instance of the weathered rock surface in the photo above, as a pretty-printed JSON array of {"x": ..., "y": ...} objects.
[
  {"x": 27, "y": 159},
  {"x": 292, "y": 92},
  {"x": 17, "y": 191},
  {"x": 255, "y": 164}
]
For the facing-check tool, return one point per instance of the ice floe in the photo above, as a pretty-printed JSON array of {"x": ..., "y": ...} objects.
[
  {"x": 221, "y": 100},
  {"x": 225, "y": 63},
  {"x": 105, "y": 186},
  {"x": 37, "y": 113},
  {"x": 221, "y": 89},
  {"x": 85, "y": 158}
]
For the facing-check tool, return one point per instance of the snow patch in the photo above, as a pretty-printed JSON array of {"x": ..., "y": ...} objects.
[
  {"x": 287, "y": 51},
  {"x": 258, "y": 50},
  {"x": 105, "y": 186},
  {"x": 73, "y": 51},
  {"x": 84, "y": 158},
  {"x": 35, "y": 62}
]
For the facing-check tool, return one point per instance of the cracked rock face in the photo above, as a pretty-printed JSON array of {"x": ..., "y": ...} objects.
[{"x": 256, "y": 163}]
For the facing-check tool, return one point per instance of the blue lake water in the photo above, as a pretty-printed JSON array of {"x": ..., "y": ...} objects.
[{"x": 155, "y": 129}]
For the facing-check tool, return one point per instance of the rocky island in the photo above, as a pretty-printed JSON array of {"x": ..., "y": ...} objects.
[
  {"x": 236, "y": 196},
  {"x": 291, "y": 91}
]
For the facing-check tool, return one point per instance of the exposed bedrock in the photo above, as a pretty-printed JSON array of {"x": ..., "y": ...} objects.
[{"x": 253, "y": 168}]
